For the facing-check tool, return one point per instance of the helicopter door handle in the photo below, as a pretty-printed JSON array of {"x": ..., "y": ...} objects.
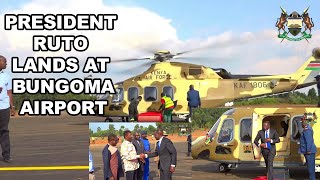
[{"x": 227, "y": 144}]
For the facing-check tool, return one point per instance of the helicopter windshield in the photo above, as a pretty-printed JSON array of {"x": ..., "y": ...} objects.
[
  {"x": 214, "y": 128},
  {"x": 103, "y": 97},
  {"x": 118, "y": 97}
]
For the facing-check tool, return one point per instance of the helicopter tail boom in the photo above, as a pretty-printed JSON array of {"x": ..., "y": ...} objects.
[{"x": 307, "y": 72}]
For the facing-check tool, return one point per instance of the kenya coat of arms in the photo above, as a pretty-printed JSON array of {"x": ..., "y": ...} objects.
[{"x": 292, "y": 25}]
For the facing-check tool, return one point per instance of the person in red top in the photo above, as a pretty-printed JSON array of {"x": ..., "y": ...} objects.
[{"x": 167, "y": 106}]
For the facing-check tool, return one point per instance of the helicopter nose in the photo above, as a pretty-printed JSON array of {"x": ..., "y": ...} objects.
[{"x": 316, "y": 53}]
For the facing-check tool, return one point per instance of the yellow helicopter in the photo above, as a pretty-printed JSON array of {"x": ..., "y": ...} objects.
[
  {"x": 215, "y": 85},
  {"x": 230, "y": 140}
]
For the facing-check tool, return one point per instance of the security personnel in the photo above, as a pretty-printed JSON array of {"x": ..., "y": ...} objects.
[
  {"x": 167, "y": 106},
  {"x": 6, "y": 106},
  {"x": 193, "y": 99},
  {"x": 308, "y": 148}
]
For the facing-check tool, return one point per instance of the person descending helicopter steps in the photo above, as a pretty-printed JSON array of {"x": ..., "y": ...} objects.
[{"x": 167, "y": 106}]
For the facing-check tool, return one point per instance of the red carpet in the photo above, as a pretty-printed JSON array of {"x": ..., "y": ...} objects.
[{"x": 260, "y": 178}]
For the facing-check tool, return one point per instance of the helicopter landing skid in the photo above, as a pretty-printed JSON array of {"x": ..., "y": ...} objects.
[{"x": 225, "y": 168}]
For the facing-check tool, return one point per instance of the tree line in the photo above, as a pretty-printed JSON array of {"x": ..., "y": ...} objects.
[
  {"x": 285, "y": 98},
  {"x": 170, "y": 128}
]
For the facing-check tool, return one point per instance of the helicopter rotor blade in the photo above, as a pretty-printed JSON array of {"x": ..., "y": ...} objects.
[
  {"x": 131, "y": 70},
  {"x": 202, "y": 59},
  {"x": 193, "y": 58},
  {"x": 217, "y": 45},
  {"x": 128, "y": 60}
]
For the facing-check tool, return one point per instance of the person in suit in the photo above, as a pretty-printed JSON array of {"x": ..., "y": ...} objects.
[
  {"x": 146, "y": 144},
  {"x": 285, "y": 127},
  {"x": 112, "y": 164},
  {"x": 269, "y": 138},
  {"x": 308, "y": 148},
  {"x": 138, "y": 144},
  {"x": 193, "y": 99},
  {"x": 167, "y": 155}
]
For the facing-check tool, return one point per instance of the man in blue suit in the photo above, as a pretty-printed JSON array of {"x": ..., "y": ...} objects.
[
  {"x": 193, "y": 98},
  {"x": 147, "y": 149},
  {"x": 308, "y": 148}
]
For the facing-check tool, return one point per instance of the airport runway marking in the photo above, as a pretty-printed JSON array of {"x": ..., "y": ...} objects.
[{"x": 44, "y": 168}]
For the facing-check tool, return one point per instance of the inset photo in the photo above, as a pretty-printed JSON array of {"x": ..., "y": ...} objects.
[
  {"x": 256, "y": 143},
  {"x": 140, "y": 151}
]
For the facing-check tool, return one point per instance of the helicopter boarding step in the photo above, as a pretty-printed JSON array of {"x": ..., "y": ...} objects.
[
  {"x": 150, "y": 117},
  {"x": 278, "y": 174}
]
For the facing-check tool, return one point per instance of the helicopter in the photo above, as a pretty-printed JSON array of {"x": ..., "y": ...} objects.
[
  {"x": 230, "y": 141},
  {"x": 216, "y": 86}
]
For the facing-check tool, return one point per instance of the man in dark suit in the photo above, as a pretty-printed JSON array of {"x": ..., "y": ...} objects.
[
  {"x": 308, "y": 148},
  {"x": 138, "y": 144},
  {"x": 193, "y": 99},
  {"x": 109, "y": 172},
  {"x": 269, "y": 138},
  {"x": 167, "y": 155}
]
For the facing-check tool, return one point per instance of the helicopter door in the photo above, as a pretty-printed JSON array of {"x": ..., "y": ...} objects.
[
  {"x": 226, "y": 143},
  {"x": 245, "y": 146},
  {"x": 278, "y": 123},
  {"x": 283, "y": 147},
  {"x": 255, "y": 129}
]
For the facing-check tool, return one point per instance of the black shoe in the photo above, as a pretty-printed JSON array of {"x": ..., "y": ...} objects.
[{"x": 8, "y": 160}]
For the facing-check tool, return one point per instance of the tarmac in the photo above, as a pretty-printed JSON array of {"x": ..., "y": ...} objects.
[
  {"x": 204, "y": 169},
  {"x": 183, "y": 169},
  {"x": 48, "y": 141}
]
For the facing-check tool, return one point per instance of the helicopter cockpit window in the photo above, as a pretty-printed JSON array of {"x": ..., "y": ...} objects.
[
  {"x": 214, "y": 128},
  {"x": 226, "y": 132},
  {"x": 246, "y": 130},
  {"x": 195, "y": 71},
  {"x": 168, "y": 91},
  {"x": 150, "y": 93},
  {"x": 296, "y": 128},
  {"x": 118, "y": 97},
  {"x": 133, "y": 93}
]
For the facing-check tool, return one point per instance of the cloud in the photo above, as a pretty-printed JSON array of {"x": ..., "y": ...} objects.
[{"x": 277, "y": 65}]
